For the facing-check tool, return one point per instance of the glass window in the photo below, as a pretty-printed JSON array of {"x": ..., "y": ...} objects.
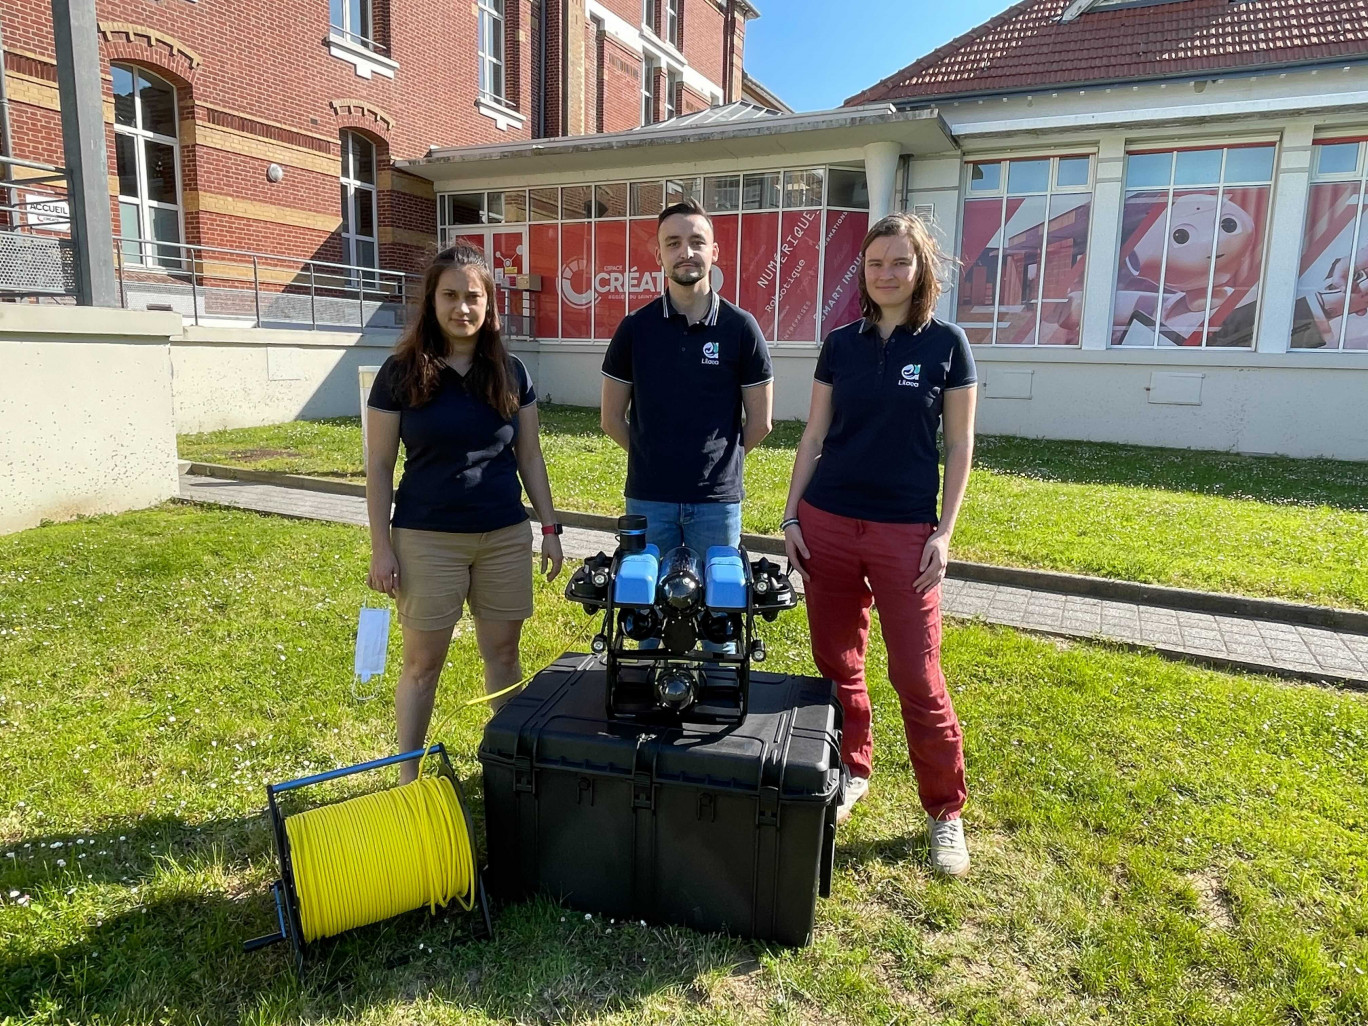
[
  {"x": 352, "y": 20},
  {"x": 803, "y": 188},
  {"x": 515, "y": 206},
  {"x": 494, "y": 208},
  {"x": 157, "y": 106},
  {"x": 545, "y": 204},
  {"x": 1249, "y": 164},
  {"x": 1191, "y": 250},
  {"x": 760, "y": 192},
  {"x": 1337, "y": 158},
  {"x": 147, "y": 165},
  {"x": 1149, "y": 170},
  {"x": 125, "y": 108},
  {"x": 722, "y": 195},
  {"x": 985, "y": 177},
  {"x": 358, "y": 201},
  {"x": 126, "y": 163},
  {"x": 1330, "y": 309},
  {"x": 1023, "y": 250},
  {"x": 1027, "y": 176},
  {"x": 847, "y": 189},
  {"x": 490, "y": 49},
  {"x": 679, "y": 190},
  {"x": 649, "y": 67},
  {"x": 464, "y": 208},
  {"x": 1073, "y": 171},
  {"x": 610, "y": 200},
  {"x": 1197, "y": 167},
  {"x": 673, "y": 22},
  {"x": 577, "y": 202},
  {"x": 648, "y": 199}
]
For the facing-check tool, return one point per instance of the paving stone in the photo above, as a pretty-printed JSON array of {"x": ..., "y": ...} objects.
[{"x": 1306, "y": 650}]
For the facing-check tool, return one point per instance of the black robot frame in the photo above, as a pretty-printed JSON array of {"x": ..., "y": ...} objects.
[{"x": 719, "y": 680}]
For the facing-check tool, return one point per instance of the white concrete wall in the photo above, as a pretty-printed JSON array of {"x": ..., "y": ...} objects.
[
  {"x": 224, "y": 377},
  {"x": 85, "y": 412},
  {"x": 1290, "y": 403}
]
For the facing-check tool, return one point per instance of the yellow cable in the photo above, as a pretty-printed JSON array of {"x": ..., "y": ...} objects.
[{"x": 379, "y": 855}]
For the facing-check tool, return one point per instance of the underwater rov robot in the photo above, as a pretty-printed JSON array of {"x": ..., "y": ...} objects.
[{"x": 678, "y": 635}]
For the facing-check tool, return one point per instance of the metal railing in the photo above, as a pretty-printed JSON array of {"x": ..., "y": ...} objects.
[
  {"x": 36, "y": 255},
  {"x": 211, "y": 284}
]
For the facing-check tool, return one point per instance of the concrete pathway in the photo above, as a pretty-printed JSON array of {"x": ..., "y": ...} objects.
[{"x": 1264, "y": 646}]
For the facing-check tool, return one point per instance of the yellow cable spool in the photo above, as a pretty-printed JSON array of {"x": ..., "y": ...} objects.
[{"x": 379, "y": 855}]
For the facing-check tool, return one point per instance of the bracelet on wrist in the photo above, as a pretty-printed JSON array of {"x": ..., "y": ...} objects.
[{"x": 786, "y": 524}]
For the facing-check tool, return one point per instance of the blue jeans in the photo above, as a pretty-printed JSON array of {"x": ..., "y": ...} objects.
[{"x": 699, "y": 525}]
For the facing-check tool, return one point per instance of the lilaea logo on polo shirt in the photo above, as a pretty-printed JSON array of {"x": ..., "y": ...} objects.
[
  {"x": 710, "y": 353},
  {"x": 911, "y": 375}
]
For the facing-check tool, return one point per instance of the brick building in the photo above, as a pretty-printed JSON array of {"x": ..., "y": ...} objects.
[{"x": 273, "y": 126}]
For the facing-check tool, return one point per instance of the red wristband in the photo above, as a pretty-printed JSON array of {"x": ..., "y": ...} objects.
[{"x": 552, "y": 529}]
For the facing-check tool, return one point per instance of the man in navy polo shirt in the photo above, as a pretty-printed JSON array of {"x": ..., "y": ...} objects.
[{"x": 688, "y": 365}]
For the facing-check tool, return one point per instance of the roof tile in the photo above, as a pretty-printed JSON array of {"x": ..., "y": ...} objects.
[{"x": 1027, "y": 45}]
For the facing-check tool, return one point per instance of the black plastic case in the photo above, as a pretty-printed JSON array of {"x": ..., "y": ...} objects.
[{"x": 716, "y": 827}]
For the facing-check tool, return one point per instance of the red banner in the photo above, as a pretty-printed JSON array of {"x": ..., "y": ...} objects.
[
  {"x": 726, "y": 232},
  {"x": 759, "y": 269},
  {"x": 610, "y": 277},
  {"x": 845, "y": 230},
  {"x": 544, "y": 259},
  {"x": 798, "y": 253},
  {"x": 509, "y": 254},
  {"x": 645, "y": 281},
  {"x": 576, "y": 280}
]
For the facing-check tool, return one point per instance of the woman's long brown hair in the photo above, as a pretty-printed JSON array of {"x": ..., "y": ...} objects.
[
  {"x": 931, "y": 263},
  {"x": 424, "y": 345}
]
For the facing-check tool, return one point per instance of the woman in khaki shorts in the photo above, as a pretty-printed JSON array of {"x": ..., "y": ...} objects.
[{"x": 466, "y": 412}]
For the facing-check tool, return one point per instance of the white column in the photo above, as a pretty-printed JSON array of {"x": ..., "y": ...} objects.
[
  {"x": 1104, "y": 224},
  {"x": 881, "y": 171},
  {"x": 1286, "y": 223}
]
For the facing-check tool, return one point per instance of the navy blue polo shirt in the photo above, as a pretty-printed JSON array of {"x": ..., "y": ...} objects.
[
  {"x": 685, "y": 422},
  {"x": 460, "y": 471},
  {"x": 880, "y": 460}
]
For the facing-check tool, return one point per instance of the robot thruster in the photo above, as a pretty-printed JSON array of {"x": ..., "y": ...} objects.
[{"x": 678, "y": 634}]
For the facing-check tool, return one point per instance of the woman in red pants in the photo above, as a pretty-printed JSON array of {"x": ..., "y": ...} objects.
[{"x": 861, "y": 522}]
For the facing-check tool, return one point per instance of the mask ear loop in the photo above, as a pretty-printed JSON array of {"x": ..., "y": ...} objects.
[{"x": 356, "y": 677}]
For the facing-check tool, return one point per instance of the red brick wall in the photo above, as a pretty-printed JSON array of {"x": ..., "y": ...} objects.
[
  {"x": 621, "y": 77},
  {"x": 256, "y": 85}
]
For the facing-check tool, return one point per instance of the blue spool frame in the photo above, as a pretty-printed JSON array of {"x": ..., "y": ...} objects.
[{"x": 283, "y": 890}]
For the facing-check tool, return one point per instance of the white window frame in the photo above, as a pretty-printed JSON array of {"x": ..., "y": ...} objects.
[
  {"x": 352, "y": 33},
  {"x": 1052, "y": 189},
  {"x": 1221, "y": 186},
  {"x": 351, "y": 238},
  {"x": 146, "y": 245},
  {"x": 649, "y": 67},
  {"x": 1358, "y": 176},
  {"x": 673, "y": 82},
  {"x": 648, "y": 14},
  {"x": 672, "y": 24},
  {"x": 491, "y": 14}
]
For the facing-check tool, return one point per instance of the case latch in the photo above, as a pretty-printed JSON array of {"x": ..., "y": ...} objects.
[
  {"x": 523, "y": 776},
  {"x": 767, "y": 809},
  {"x": 643, "y": 793}
]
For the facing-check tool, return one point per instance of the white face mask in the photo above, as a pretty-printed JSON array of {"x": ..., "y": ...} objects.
[{"x": 372, "y": 645}]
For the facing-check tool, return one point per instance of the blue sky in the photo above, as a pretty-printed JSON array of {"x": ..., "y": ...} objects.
[{"x": 814, "y": 53}]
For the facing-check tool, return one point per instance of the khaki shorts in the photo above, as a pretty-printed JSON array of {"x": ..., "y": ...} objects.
[{"x": 441, "y": 571}]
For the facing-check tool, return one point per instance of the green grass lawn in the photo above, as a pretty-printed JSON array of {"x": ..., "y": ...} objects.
[
  {"x": 1153, "y": 843},
  {"x": 1252, "y": 525}
]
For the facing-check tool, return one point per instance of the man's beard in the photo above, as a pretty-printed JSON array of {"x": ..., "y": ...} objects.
[{"x": 686, "y": 275}]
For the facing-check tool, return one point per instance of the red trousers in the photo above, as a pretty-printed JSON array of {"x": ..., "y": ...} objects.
[{"x": 852, "y": 565}]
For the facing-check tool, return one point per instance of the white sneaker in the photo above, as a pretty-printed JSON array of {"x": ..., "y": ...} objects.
[
  {"x": 949, "y": 853},
  {"x": 855, "y": 789}
]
